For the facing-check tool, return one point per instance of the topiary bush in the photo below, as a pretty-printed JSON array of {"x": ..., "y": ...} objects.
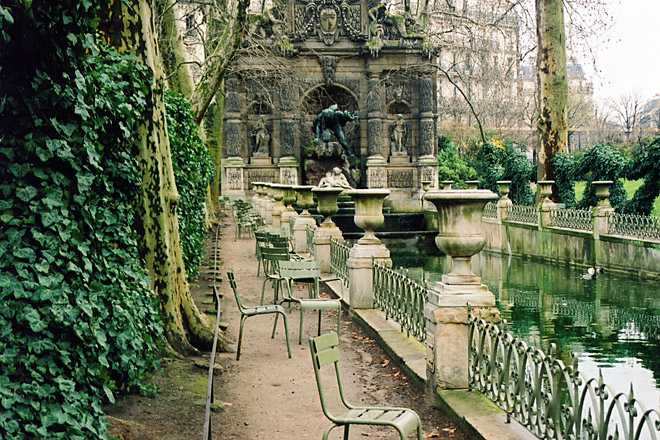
[
  {"x": 644, "y": 166},
  {"x": 78, "y": 320},
  {"x": 602, "y": 162},
  {"x": 193, "y": 172},
  {"x": 518, "y": 170},
  {"x": 564, "y": 166}
]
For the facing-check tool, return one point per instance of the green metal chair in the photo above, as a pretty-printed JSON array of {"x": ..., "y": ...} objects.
[
  {"x": 271, "y": 257},
  {"x": 308, "y": 272},
  {"x": 325, "y": 351},
  {"x": 246, "y": 312}
]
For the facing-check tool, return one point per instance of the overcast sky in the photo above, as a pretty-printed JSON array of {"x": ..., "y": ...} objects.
[{"x": 631, "y": 59}]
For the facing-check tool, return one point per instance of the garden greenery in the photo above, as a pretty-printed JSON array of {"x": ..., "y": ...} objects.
[
  {"x": 451, "y": 166},
  {"x": 504, "y": 160},
  {"x": 602, "y": 162},
  {"x": 193, "y": 172},
  {"x": 78, "y": 320}
]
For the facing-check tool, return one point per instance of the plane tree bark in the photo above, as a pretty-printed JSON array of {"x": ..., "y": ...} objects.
[
  {"x": 553, "y": 84},
  {"x": 129, "y": 26}
]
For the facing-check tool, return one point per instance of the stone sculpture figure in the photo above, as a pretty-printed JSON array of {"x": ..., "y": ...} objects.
[
  {"x": 331, "y": 121},
  {"x": 262, "y": 139},
  {"x": 399, "y": 136},
  {"x": 334, "y": 179}
]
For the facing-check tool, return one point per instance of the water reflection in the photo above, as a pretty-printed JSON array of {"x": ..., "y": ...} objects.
[{"x": 611, "y": 322}]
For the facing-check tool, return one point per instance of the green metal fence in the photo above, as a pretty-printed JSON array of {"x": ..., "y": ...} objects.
[
  {"x": 551, "y": 399},
  {"x": 338, "y": 259},
  {"x": 401, "y": 298}
]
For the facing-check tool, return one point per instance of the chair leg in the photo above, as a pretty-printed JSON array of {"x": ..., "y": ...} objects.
[
  {"x": 301, "y": 326},
  {"x": 327, "y": 431},
  {"x": 339, "y": 320},
  {"x": 286, "y": 334},
  {"x": 272, "y": 335},
  {"x": 263, "y": 289},
  {"x": 319, "y": 324},
  {"x": 240, "y": 337},
  {"x": 346, "y": 429}
]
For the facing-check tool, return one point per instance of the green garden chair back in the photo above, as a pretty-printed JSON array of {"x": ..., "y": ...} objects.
[
  {"x": 308, "y": 272},
  {"x": 325, "y": 352},
  {"x": 246, "y": 312},
  {"x": 271, "y": 258}
]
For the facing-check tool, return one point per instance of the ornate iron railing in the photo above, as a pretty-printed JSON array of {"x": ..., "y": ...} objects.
[
  {"x": 522, "y": 214},
  {"x": 552, "y": 400},
  {"x": 338, "y": 259},
  {"x": 639, "y": 226},
  {"x": 309, "y": 232},
  {"x": 401, "y": 298},
  {"x": 490, "y": 211},
  {"x": 580, "y": 219}
]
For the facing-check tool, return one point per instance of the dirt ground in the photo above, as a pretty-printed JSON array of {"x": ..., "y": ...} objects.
[{"x": 266, "y": 395}]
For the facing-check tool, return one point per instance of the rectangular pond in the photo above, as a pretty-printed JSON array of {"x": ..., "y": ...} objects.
[{"x": 611, "y": 322}]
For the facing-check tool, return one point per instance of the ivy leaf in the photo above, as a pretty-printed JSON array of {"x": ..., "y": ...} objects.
[
  {"x": 34, "y": 320},
  {"x": 84, "y": 181},
  {"x": 26, "y": 194}
]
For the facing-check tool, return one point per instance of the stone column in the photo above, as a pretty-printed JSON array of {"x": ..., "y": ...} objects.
[
  {"x": 376, "y": 164},
  {"x": 460, "y": 236},
  {"x": 288, "y": 164},
  {"x": 327, "y": 206},
  {"x": 278, "y": 206},
  {"x": 545, "y": 204},
  {"x": 602, "y": 211},
  {"x": 427, "y": 161},
  {"x": 504, "y": 202},
  {"x": 368, "y": 216},
  {"x": 304, "y": 201},
  {"x": 269, "y": 203},
  {"x": 233, "y": 182}
]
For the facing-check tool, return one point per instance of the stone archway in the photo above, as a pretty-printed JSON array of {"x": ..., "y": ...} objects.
[{"x": 317, "y": 163}]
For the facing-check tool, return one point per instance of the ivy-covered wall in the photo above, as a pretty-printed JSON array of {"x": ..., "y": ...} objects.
[{"x": 78, "y": 320}]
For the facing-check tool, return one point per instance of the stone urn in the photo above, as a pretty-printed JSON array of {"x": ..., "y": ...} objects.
[
  {"x": 426, "y": 185},
  {"x": 369, "y": 212},
  {"x": 277, "y": 192},
  {"x": 446, "y": 184},
  {"x": 288, "y": 198},
  {"x": 602, "y": 189},
  {"x": 505, "y": 186},
  {"x": 305, "y": 198},
  {"x": 472, "y": 184},
  {"x": 327, "y": 204},
  {"x": 545, "y": 190},
  {"x": 460, "y": 233}
]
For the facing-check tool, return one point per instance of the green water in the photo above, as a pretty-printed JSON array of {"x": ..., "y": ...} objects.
[{"x": 611, "y": 323}]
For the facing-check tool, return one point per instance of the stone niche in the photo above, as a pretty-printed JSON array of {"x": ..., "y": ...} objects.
[{"x": 350, "y": 53}]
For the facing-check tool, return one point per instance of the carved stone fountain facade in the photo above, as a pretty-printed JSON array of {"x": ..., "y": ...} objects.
[{"x": 349, "y": 53}]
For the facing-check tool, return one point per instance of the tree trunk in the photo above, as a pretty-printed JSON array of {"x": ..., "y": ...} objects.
[
  {"x": 222, "y": 54},
  {"x": 213, "y": 127},
  {"x": 173, "y": 53},
  {"x": 130, "y": 27},
  {"x": 553, "y": 85}
]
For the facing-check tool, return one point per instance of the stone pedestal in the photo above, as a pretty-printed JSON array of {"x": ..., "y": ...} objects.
[
  {"x": 360, "y": 274},
  {"x": 288, "y": 170},
  {"x": 459, "y": 236},
  {"x": 322, "y": 237},
  {"x": 261, "y": 159},
  {"x": 233, "y": 183},
  {"x": 376, "y": 172},
  {"x": 399, "y": 158},
  {"x": 304, "y": 200}
]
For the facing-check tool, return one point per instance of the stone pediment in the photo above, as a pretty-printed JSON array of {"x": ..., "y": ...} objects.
[
  {"x": 328, "y": 20},
  {"x": 361, "y": 24}
]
